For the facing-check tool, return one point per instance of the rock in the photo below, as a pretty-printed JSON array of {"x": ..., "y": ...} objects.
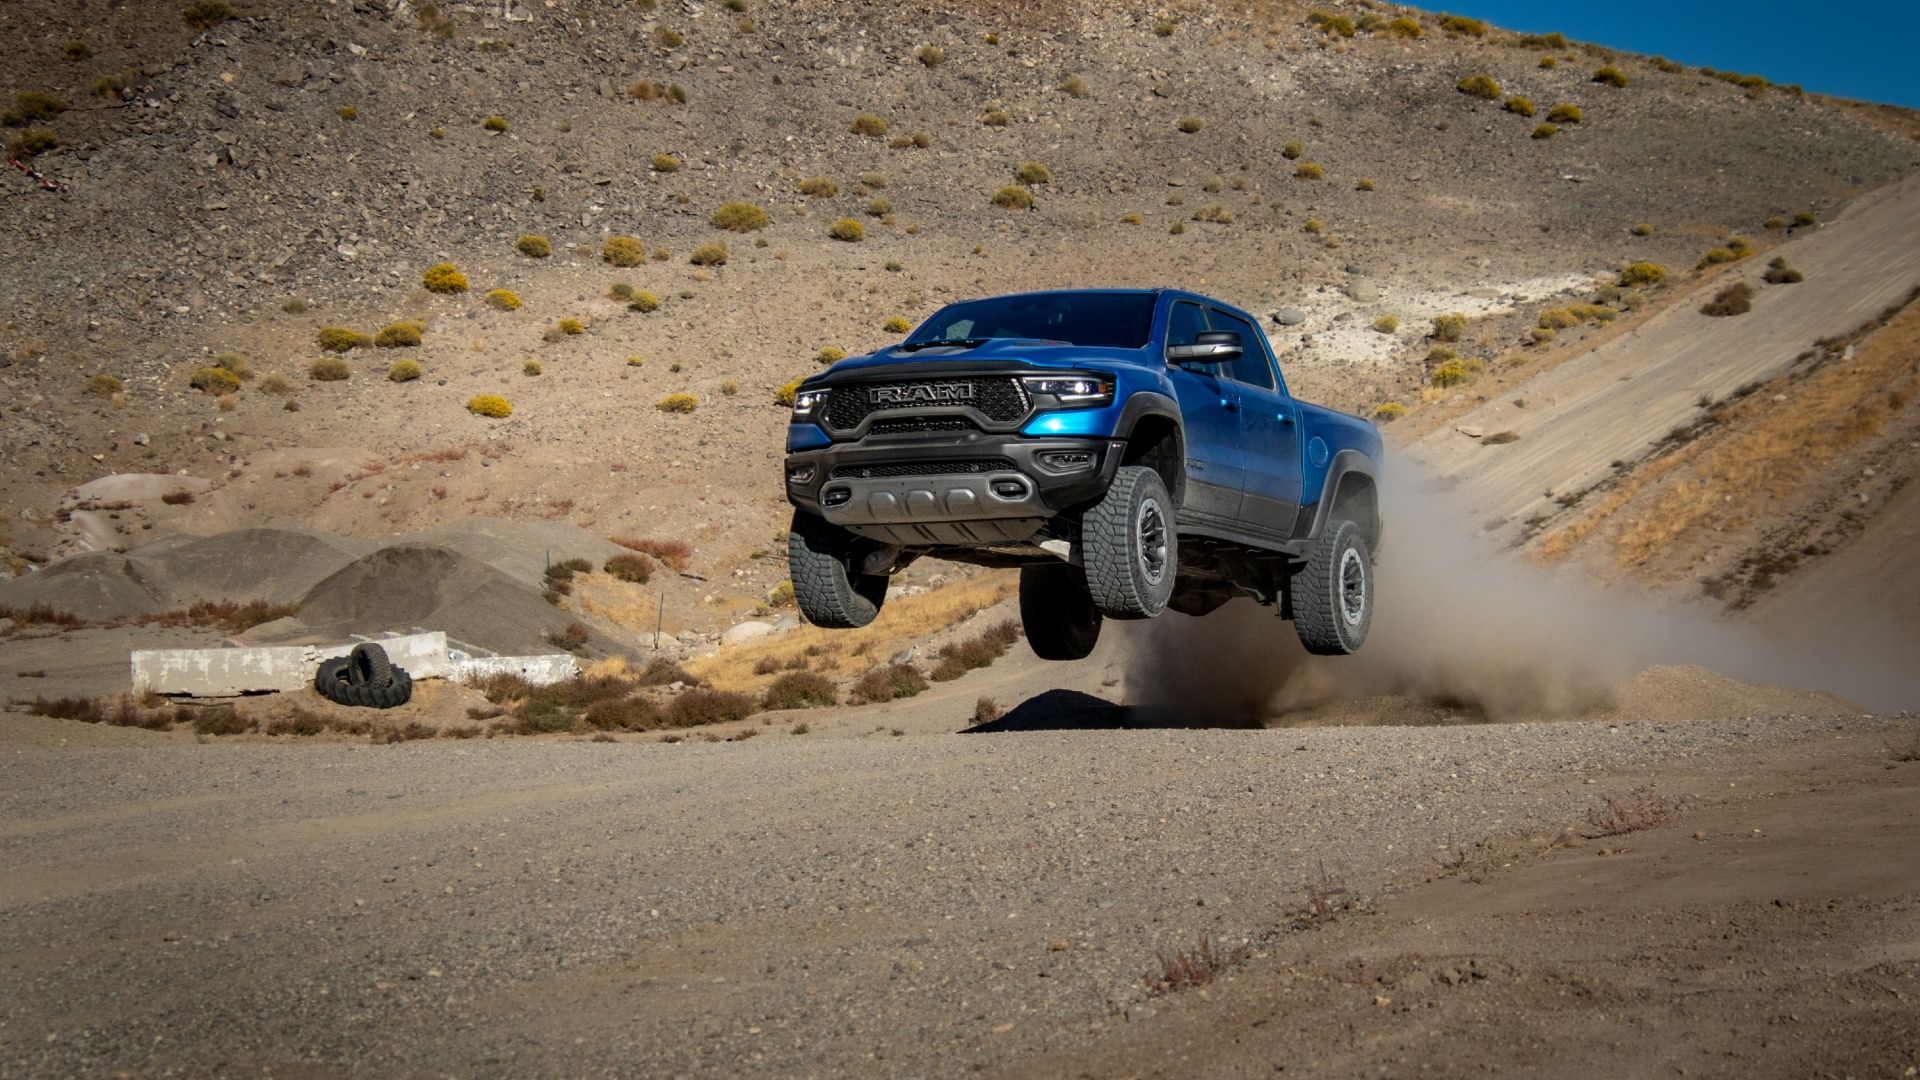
[
  {"x": 1289, "y": 316},
  {"x": 1471, "y": 431},
  {"x": 1139, "y": 1013},
  {"x": 751, "y": 630},
  {"x": 1363, "y": 290}
]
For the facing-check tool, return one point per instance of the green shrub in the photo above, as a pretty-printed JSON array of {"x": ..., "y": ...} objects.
[
  {"x": 214, "y": 381},
  {"x": 492, "y": 406},
  {"x": 1404, "y": 27},
  {"x": 1545, "y": 131},
  {"x": 1643, "y": 273},
  {"x": 1330, "y": 24},
  {"x": 632, "y": 567},
  {"x": 503, "y": 299},
  {"x": 329, "y": 369},
  {"x": 1033, "y": 173},
  {"x": 32, "y": 105},
  {"x": 1449, "y": 327},
  {"x": 444, "y": 278},
  {"x": 1519, "y": 105},
  {"x": 830, "y": 355},
  {"x": 32, "y": 142},
  {"x": 341, "y": 339},
  {"x": 800, "y": 690},
  {"x": 1565, "y": 113},
  {"x": 1610, "y": 76},
  {"x": 496, "y": 122},
  {"x": 931, "y": 55},
  {"x": 1480, "y": 86},
  {"x": 1461, "y": 24},
  {"x": 1389, "y": 411},
  {"x": 1386, "y": 324},
  {"x": 1307, "y": 170},
  {"x": 740, "y": 217},
  {"x": 1735, "y": 299},
  {"x": 677, "y": 403},
  {"x": 399, "y": 335},
  {"x": 1191, "y": 124},
  {"x": 869, "y": 125},
  {"x": 104, "y": 385},
  {"x": 534, "y": 247},
  {"x": 643, "y": 302},
  {"x": 403, "y": 371},
  {"x": 887, "y": 684},
  {"x": 623, "y": 251},
  {"x": 1013, "y": 198},
  {"x": 818, "y": 187},
  {"x": 665, "y": 163},
  {"x": 207, "y": 14},
  {"x": 879, "y": 208},
  {"x": 847, "y": 229}
]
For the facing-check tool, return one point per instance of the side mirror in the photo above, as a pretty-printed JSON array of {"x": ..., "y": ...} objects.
[{"x": 1210, "y": 347}]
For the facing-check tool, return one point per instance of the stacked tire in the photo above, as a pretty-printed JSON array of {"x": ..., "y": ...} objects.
[{"x": 364, "y": 679}]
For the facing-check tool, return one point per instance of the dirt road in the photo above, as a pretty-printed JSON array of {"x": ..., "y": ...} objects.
[{"x": 938, "y": 903}]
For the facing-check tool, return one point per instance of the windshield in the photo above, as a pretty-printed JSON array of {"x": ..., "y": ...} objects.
[{"x": 1114, "y": 320}]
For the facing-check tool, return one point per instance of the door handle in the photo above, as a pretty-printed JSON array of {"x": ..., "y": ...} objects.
[
  {"x": 1285, "y": 418},
  {"x": 1229, "y": 405}
]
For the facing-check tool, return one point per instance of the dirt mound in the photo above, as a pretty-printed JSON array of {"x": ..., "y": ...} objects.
[
  {"x": 98, "y": 586},
  {"x": 408, "y": 585},
  {"x": 522, "y": 550},
  {"x": 276, "y": 565}
]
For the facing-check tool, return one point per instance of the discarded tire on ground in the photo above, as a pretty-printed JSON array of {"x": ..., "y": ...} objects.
[
  {"x": 367, "y": 665},
  {"x": 333, "y": 682}
]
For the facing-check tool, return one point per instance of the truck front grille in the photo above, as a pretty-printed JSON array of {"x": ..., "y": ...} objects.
[
  {"x": 916, "y": 425},
  {"x": 999, "y": 398},
  {"x": 922, "y": 468}
]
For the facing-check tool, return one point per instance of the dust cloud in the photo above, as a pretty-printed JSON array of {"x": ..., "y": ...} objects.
[{"x": 1461, "y": 625}]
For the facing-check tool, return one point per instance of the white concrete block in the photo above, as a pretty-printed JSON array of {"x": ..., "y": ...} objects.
[
  {"x": 538, "y": 670},
  {"x": 219, "y": 672}
]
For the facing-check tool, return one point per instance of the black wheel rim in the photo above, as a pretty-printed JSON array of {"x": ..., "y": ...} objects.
[
  {"x": 1150, "y": 533},
  {"x": 1353, "y": 587}
]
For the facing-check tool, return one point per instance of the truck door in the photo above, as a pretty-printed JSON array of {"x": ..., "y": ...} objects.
[
  {"x": 1209, "y": 405},
  {"x": 1269, "y": 431}
]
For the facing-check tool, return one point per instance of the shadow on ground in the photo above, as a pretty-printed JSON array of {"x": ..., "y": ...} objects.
[{"x": 1072, "y": 710}]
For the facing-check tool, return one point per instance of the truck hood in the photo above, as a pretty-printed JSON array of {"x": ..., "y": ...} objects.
[{"x": 995, "y": 351}]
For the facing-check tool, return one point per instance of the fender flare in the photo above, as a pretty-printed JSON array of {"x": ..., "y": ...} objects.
[
  {"x": 1147, "y": 403},
  {"x": 1345, "y": 463}
]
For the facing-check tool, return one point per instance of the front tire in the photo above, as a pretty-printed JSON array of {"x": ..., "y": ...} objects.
[
  {"x": 1057, "y": 612},
  {"x": 1333, "y": 592},
  {"x": 1131, "y": 551},
  {"x": 823, "y": 561}
]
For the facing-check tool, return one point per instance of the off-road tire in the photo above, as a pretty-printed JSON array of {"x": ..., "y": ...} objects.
[
  {"x": 1333, "y": 591},
  {"x": 367, "y": 665},
  {"x": 1057, "y": 612},
  {"x": 1129, "y": 546},
  {"x": 332, "y": 683},
  {"x": 821, "y": 558}
]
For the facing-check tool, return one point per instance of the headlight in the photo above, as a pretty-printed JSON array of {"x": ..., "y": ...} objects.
[
  {"x": 1072, "y": 389},
  {"x": 806, "y": 403}
]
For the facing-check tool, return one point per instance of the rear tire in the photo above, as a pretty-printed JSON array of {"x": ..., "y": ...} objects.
[
  {"x": 1131, "y": 552},
  {"x": 1058, "y": 612},
  {"x": 1333, "y": 592},
  {"x": 821, "y": 560}
]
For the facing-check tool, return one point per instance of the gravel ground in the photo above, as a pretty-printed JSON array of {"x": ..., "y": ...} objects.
[{"x": 921, "y": 905}]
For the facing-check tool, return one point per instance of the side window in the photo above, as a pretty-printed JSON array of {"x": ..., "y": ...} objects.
[
  {"x": 1185, "y": 324},
  {"x": 1252, "y": 368}
]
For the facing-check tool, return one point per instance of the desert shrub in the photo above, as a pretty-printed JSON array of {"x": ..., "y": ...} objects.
[
  {"x": 930, "y": 55},
  {"x": 444, "y": 278},
  {"x": 329, "y": 369},
  {"x": 1074, "y": 86},
  {"x": 1013, "y": 198},
  {"x": 1365, "y": 184},
  {"x": 1215, "y": 214},
  {"x": 1480, "y": 86},
  {"x": 1314, "y": 225},
  {"x": 1292, "y": 150},
  {"x": 1735, "y": 299},
  {"x": 1716, "y": 256},
  {"x": 729, "y": 387},
  {"x": 830, "y": 355},
  {"x": 104, "y": 385},
  {"x": 996, "y": 117},
  {"x": 819, "y": 187},
  {"x": 30, "y": 142},
  {"x": 1449, "y": 327},
  {"x": 1777, "y": 221},
  {"x": 699, "y": 707},
  {"x": 349, "y": 113},
  {"x": 207, "y": 14},
  {"x": 1555, "y": 40},
  {"x": 1740, "y": 246},
  {"x": 1805, "y": 218},
  {"x": 33, "y": 105},
  {"x": 869, "y": 125},
  {"x": 1330, "y": 24},
  {"x": 1642, "y": 229},
  {"x": 275, "y": 383},
  {"x": 800, "y": 690},
  {"x": 1164, "y": 28},
  {"x": 1519, "y": 105},
  {"x": 403, "y": 371},
  {"x": 636, "y": 568},
  {"x": 1389, "y": 411},
  {"x": 77, "y": 50},
  {"x": 1565, "y": 113},
  {"x": 787, "y": 393},
  {"x": 492, "y": 406},
  {"x": 1610, "y": 76},
  {"x": 1177, "y": 228},
  {"x": 740, "y": 217},
  {"x": 1549, "y": 62},
  {"x": 239, "y": 366},
  {"x": 879, "y": 208},
  {"x": 1131, "y": 219},
  {"x": 1643, "y": 273},
  {"x": 531, "y": 368},
  {"x": 1461, "y": 24},
  {"x": 623, "y": 251},
  {"x": 623, "y": 714},
  {"x": 399, "y": 335},
  {"x": 570, "y": 327},
  {"x": 896, "y": 325},
  {"x": 1540, "y": 335},
  {"x": 214, "y": 381},
  {"x": 221, "y": 720},
  {"x": 1307, "y": 170},
  {"x": 1386, "y": 324},
  {"x": 1404, "y": 27},
  {"x": 496, "y": 122},
  {"x": 665, "y": 163},
  {"x": 1033, "y": 173},
  {"x": 1778, "y": 273},
  {"x": 534, "y": 246},
  {"x": 1191, "y": 124},
  {"x": 669, "y": 38},
  {"x": 960, "y": 657},
  {"x": 620, "y": 290},
  {"x": 709, "y": 254},
  {"x": 1558, "y": 319},
  {"x": 887, "y": 684},
  {"x": 1455, "y": 372},
  {"x": 847, "y": 229},
  {"x": 503, "y": 299},
  {"x": 677, "y": 403},
  {"x": 643, "y": 302}
]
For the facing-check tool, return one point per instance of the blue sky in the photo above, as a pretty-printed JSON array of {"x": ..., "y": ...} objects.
[{"x": 1857, "y": 50}]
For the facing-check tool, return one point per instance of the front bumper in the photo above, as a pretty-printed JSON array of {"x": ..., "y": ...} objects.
[{"x": 984, "y": 489}]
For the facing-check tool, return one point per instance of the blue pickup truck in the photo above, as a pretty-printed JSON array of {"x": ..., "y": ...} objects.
[{"x": 1129, "y": 450}]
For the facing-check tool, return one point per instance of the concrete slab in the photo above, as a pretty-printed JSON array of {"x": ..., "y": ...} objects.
[
  {"x": 538, "y": 670},
  {"x": 221, "y": 672}
]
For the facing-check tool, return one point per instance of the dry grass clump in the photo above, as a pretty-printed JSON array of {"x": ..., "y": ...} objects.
[
  {"x": 1386, "y": 324},
  {"x": 787, "y": 393},
  {"x": 403, "y": 371},
  {"x": 503, "y": 299},
  {"x": 635, "y": 568},
  {"x": 1610, "y": 76},
  {"x": 1566, "y": 113},
  {"x": 869, "y": 125},
  {"x": 444, "y": 278},
  {"x": 896, "y": 325},
  {"x": 34, "y": 105},
  {"x": 1214, "y": 213},
  {"x": 534, "y": 246},
  {"x": 349, "y": 113},
  {"x": 1073, "y": 86},
  {"x": 1479, "y": 86},
  {"x": 1314, "y": 226},
  {"x": 1617, "y": 815},
  {"x": 532, "y": 368},
  {"x": 1292, "y": 150},
  {"x": 1033, "y": 172},
  {"x": 800, "y": 690},
  {"x": 675, "y": 555},
  {"x": 207, "y": 14},
  {"x": 275, "y": 383},
  {"x": 1519, "y": 105},
  {"x": 623, "y": 251},
  {"x": 665, "y": 163},
  {"x": 709, "y": 254},
  {"x": 643, "y": 302},
  {"x": 879, "y": 208},
  {"x": 214, "y": 381},
  {"x": 496, "y": 122},
  {"x": 103, "y": 385},
  {"x": 1642, "y": 228},
  {"x": 1778, "y": 273},
  {"x": 1455, "y": 372},
  {"x": 930, "y": 55},
  {"x": 1013, "y": 198},
  {"x": 570, "y": 327},
  {"x": 848, "y": 230},
  {"x": 958, "y": 658},
  {"x": 1405, "y": 28},
  {"x": 1643, "y": 273},
  {"x": 1331, "y": 24},
  {"x": 1307, "y": 170},
  {"x": 1389, "y": 411},
  {"x": 740, "y": 217},
  {"x": 1449, "y": 327},
  {"x": 701, "y": 707},
  {"x": 1735, "y": 299},
  {"x": 1190, "y": 124},
  {"x": 887, "y": 683},
  {"x": 339, "y": 339},
  {"x": 492, "y": 406},
  {"x": 831, "y": 354},
  {"x": 1188, "y": 969},
  {"x": 329, "y": 369},
  {"x": 1463, "y": 26},
  {"x": 677, "y": 403},
  {"x": 400, "y": 335},
  {"x": 30, "y": 142},
  {"x": 818, "y": 187}
]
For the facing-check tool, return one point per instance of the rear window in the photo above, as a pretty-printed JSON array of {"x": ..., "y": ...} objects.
[{"x": 1111, "y": 320}]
